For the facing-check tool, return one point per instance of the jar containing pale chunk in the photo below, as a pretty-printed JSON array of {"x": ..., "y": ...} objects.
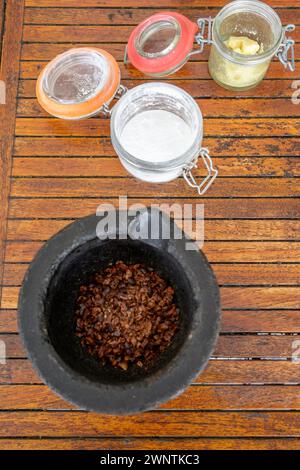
[{"x": 244, "y": 37}]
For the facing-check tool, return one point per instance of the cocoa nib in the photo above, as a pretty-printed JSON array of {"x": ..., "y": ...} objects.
[{"x": 126, "y": 316}]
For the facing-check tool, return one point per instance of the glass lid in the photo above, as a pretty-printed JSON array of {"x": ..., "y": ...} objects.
[
  {"x": 158, "y": 38},
  {"x": 78, "y": 82},
  {"x": 161, "y": 43},
  {"x": 76, "y": 76}
]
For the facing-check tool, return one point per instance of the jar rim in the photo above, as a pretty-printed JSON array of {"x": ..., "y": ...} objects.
[
  {"x": 259, "y": 8},
  {"x": 62, "y": 61},
  {"x": 166, "y": 165},
  {"x": 173, "y": 22},
  {"x": 87, "y": 107}
]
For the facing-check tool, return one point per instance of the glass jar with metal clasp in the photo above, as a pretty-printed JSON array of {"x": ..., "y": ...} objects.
[
  {"x": 244, "y": 37},
  {"x": 170, "y": 101},
  {"x": 79, "y": 83},
  {"x": 162, "y": 44},
  {"x": 162, "y": 123}
]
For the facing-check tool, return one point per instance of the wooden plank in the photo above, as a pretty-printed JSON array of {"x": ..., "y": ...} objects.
[
  {"x": 228, "y": 346},
  {"x": 143, "y": 3},
  {"x": 86, "y": 166},
  {"x": 227, "y": 274},
  {"x": 232, "y": 321},
  {"x": 61, "y": 146},
  {"x": 217, "y": 372},
  {"x": 154, "y": 443},
  {"x": 2, "y": 13},
  {"x": 214, "y": 108},
  {"x": 46, "y": 52},
  {"x": 260, "y": 297},
  {"x": 260, "y": 321},
  {"x": 9, "y": 71},
  {"x": 235, "y": 252},
  {"x": 127, "y": 16},
  {"x": 201, "y": 88},
  {"x": 213, "y": 208},
  {"x": 59, "y": 33},
  {"x": 231, "y": 297},
  {"x": 41, "y": 230},
  {"x": 108, "y": 187},
  {"x": 244, "y": 397},
  {"x": 238, "y": 297},
  {"x": 8, "y": 321},
  {"x": 160, "y": 423},
  {"x": 13, "y": 346},
  {"x": 101, "y": 127},
  {"x": 198, "y": 88},
  {"x": 112, "y": 16},
  {"x": 193, "y": 71}
]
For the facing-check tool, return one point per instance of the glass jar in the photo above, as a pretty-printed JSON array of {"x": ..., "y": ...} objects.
[
  {"x": 82, "y": 82},
  {"x": 254, "y": 20},
  {"x": 161, "y": 44},
  {"x": 79, "y": 83},
  {"x": 174, "y": 100}
]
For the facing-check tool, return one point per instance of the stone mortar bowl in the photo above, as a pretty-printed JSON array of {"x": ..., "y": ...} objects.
[{"x": 47, "y": 303}]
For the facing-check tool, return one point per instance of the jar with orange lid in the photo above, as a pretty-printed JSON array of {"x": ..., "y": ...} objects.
[{"x": 79, "y": 83}]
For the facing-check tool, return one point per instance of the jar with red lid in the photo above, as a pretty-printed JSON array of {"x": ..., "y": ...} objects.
[{"x": 161, "y": 44}]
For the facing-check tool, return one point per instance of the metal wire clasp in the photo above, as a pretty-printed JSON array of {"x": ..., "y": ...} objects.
[
  {"x": 212, "y": 172},
  {"x": 200, "y": 39},
  {"x": 286, "y": 53},
  {"x": 105, "y": 109}
]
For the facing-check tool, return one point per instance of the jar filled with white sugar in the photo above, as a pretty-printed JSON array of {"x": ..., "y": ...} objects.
[{"x": 157, "y": 130}]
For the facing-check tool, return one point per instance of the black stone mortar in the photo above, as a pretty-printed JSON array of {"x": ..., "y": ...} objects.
[{"x": 47, "y": 305}]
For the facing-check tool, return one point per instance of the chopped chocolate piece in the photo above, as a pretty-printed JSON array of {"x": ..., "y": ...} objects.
[{"x": 126, "y": 316}]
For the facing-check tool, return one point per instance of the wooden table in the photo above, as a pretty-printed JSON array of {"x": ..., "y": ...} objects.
[{"x": 55, "y": 171}]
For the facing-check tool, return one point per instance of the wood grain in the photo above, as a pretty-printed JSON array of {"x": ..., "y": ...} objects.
[
  {"x": 2, "y": 11},
  {"x": 234, "y": 252},
  {"x": 227, "y": 274},
  {"x": 232, "y": 321},
  {"x": 218, "y": 372},
  {"x": 214, "y": 229},
  {"x": 86, "y": 166},
  {"x": 211, "y": 108},
  {"x": 141, "y": 3},
  {"x": 46, "y": 52},
  {"x": 60, "y": 146},
  {"x": 100, "y": 127},
  {"x": 203, "y": 87},
  {"x": 112, "y": 187},
  {"x": 151, "y": 444},
  {"x": 237, "y": 346},
  {"x": 161, "y": 423},
  {"x": 231, "y": 297},
  {"x": 10, "y": 54},
  {"x": 126, "y": 16},
  {"x": 254, "y": 208},
  {"x": 58, "y": 33},
  {"x": 196, "y": 398}
]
